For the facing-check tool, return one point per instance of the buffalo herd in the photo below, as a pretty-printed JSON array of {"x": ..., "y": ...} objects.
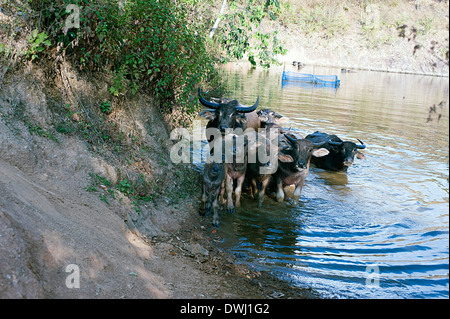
[{"x": 249, "y": 147}]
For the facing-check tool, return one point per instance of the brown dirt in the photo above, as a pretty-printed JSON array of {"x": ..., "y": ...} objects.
[{"x": 48, "y": 219}]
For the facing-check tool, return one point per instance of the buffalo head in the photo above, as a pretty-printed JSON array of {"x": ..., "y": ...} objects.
[
  {"x": 225, "y": 114},
  {"x": 342, "y": 153},
  {"x": 298, "y": 152},
  {"x": 348, "y": 150}
]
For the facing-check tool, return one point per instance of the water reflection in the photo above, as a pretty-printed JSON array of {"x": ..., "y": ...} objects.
[
  {"x": 331, "y": 178},
  {"x": 390, "y": 210}
]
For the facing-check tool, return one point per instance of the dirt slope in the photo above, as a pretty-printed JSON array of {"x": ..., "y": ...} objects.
[
  {"x": 48, "y": 224},
  {"x": 49, "y": 221}
]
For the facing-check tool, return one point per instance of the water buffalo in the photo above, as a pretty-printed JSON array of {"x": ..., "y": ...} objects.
[
  {"x": 263, "y": 162},
  {"x": 212, "y": 187},
  {"x": 269, "y": 116},
  {"x": 228, "y": 114},
  {"x": 236, "y": 166},
  {"x": 294, "y": 159},
  {"x": 342, "y": 153}
]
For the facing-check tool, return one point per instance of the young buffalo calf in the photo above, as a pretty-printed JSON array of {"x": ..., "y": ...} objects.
[
  {"x": 235, "y": 170},
  {"x": 294, "y": 158},
  {"x": 263, "y": 162},
  {"x": 213, "y": 186}
]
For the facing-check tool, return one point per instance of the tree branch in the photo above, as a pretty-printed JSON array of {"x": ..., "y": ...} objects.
[{"x": 216, "y": 24}]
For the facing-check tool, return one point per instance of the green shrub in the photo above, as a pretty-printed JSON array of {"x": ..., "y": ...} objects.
[
  {"x": 105, "y": 107},
  {"x": 241, "y": 34},
  {"x": 145, "y": 46},
  {"x": 38, "y": 43}
]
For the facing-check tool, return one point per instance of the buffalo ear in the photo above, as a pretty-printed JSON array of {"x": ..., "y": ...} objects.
[
  {"x": 263, "y": 118},
  {"x": 209, "y": 114},
  {"x": 320, "y": 152},
  {"x": 284, "y": 158},
  {"x": 360, "y": 155}
]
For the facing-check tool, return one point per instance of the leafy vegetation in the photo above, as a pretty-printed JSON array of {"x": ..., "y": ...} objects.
[
  {"x": 241, "y": 34},
  {"x": 157, "y": 47},
  {"x": 38, "y": 43},
  {"x": 138, "y": 193},
  {"x": 36, "y": 129},
  {"x": 105, "y": 107},
  {"x": 145, "y": 46}
]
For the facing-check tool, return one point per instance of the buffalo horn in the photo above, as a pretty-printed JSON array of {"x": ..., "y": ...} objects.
[
  {"x": 247, "y": 109},
  {"x": 362, "y": 146},
  {"x": 290, "y": 139},
  {"x": 334, "y": 143},
  {"x": 318, "y": 144},
  {"x": 205, "y": 102}
]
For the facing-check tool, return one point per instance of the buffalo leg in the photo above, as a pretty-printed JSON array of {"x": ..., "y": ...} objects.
[
  {"x": 238, "y": 190},
  {"x": 297, "y": 192},
  {"x": 215, "y": 222},
  {"x": 280, "y": 191},
  {"x": 222, "y": 200},
  {"x": 230, "y": 205},
  {"x": 201, "y": 210},
  {"x": 262, "y": 193},
  {"x": 254, "y": 188}
]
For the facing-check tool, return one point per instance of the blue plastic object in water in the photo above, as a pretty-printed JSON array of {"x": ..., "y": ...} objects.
[{"x": 319, "y": 80}]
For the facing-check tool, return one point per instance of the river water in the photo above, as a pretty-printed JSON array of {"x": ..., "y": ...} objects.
[{"x": 380, "y": 230}]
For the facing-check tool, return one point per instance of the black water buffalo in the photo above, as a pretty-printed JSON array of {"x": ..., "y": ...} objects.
[
  {"x": 294, "y": 159},
  {"x": 212, "y": 187},
  {"x": 228, "y": 114},
  {"x": 342, "y": 153}
]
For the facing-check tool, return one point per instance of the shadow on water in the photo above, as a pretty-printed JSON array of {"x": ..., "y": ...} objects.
[{"x": 381, "y": 229}]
